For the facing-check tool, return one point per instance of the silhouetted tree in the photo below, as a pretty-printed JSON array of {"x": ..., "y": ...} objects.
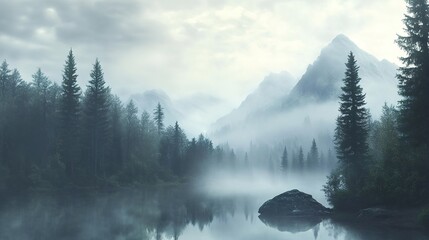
[
  {"x": 44, "y": 141},
  {"x": 115, "y": 150},
  {"x": 149, "y": 138},
  {"x": 179, "y": 147},
  {"x": 69, "y": 116},
  {"x": 352, "y": 131},
  {"x": 284, "y": 160},
  {"x": 4, "y": 83},
  {"x": 172, "y": 149},
  {"x": 131, "y": 131},
  {"x": 159, "y": 118},
  {"x": 413, "y": 76},
  {"x": 300, "y": 159},
  {"x": 41, "y": 107},
  {"x": 414, "y": 105},
  {"x": 388, "y": 173},
  {"x": 346, "y": 183},
  {"x": 96, "y": 109},
  {"x": 313, "y": 156}
]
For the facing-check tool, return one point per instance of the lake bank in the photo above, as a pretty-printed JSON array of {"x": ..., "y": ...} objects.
[{"x": 397, "y": 218}]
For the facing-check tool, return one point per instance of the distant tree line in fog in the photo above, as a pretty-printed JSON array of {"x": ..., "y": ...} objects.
[
  {"x": 56, "y": 136},
  {"x": 314, "y": 160}
]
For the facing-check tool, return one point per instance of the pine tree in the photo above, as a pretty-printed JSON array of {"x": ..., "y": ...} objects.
[
  {"x": 4, "y": 79},
  {"x": 300, "y": 159},
  {"x": 131, "y": 131},
  {"x": 96, "y": 120},
  {"x": 246, "y": 161},
  {"x": 284, "y": 160},
  {"x": 352, "y": 130},
  {"x": 178, "y": 148},
  {"x": 69, "y": 116},
  {"x": 41, "y": 85},
  {"x": 313, "y": 156},
  {"x": 414, "y": 75},
  {"x": 115, "y": 157},
  {"x": 149, "y": 138},
  {"x": 159, "y": 118},
  {"x": 16, "y": 82},
  {"x": 4, "y": 82}
]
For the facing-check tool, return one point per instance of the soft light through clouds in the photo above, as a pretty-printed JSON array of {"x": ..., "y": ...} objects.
[{"x": 186, "y": 47}]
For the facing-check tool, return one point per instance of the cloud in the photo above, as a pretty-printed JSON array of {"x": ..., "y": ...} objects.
[{"x": 220, "y": 47}]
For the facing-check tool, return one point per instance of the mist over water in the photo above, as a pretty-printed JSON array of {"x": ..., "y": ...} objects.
[
  {"x": 263, "y": 184},
  {"x": 141, "y": 175},
  {"x": 222, "y": 206}
]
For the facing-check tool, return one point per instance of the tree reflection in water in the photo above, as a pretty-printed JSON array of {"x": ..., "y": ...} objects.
[
  {"x": 163, "y": 213},
  {"x": 150, "y": 214}
]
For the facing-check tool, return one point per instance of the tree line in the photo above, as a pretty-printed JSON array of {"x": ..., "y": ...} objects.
[
  {"x": 385, "y": 162},
  {"x": 314, "y": 160},
  {"x": 59, "y": 136}
]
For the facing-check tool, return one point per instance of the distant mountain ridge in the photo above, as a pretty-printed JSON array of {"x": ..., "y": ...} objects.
[
  {"x": 318, "y": 88},
  {"x": 323, "y": 79},
  {"x": 192, "y": 112},
  {"x": 269, "y": 93},
  {"x": 148, "y": 100}
]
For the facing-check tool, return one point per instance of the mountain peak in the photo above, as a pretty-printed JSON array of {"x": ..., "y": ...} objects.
[
  {"x": 322, "y": 80},
  {"x": 341, "y": 37},
  {"x": 343, "y": 41}
]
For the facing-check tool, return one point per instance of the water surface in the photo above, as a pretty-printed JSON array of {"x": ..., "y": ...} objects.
[{"x": 180, "y": 212}]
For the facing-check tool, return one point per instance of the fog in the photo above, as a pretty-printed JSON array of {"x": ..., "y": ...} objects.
[
  {"x": 195, "y": 114},
  {"x": 221, "y": 206},
  {"x": 262, "y": 184},
  {"x": 278, "y": 139},
  {"x": 285, "y": 124}
]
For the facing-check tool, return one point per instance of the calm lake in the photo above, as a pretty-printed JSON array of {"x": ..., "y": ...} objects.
[{"x": 185, "y": 212}]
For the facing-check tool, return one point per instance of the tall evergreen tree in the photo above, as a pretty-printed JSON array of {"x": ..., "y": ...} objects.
[
  {"x": 4, "y": 78},
  {"x": 246, "y": 161},
  {"x": 352, "y": 130},
  {"x": 4, "y": 82},
  {"x": 41, "y": 85},
  {"x": 69, "y": 115},
  {"x": 116, "y": 135},
  {"x": 300, "y": 159},
  {"x": 313, "y": 156},
  {"x": 159, "y": 118},
  {"x": 149, "y": 141},
  {"x": 284, "y": 160},
  {"x": 131, "y": 131},
  {"x": 414, "y": 75},
  {"x": 179, "y": 147},
  {"x": 96, "y": 109}
]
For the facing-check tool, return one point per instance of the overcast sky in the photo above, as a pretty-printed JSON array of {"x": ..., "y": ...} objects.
[{"x": 217, "y": 47}]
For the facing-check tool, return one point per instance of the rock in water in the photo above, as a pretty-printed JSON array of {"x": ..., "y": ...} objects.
[{"x": 293, "y": 203}]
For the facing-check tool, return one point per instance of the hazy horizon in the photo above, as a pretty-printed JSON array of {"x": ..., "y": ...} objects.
[{"x": 212, "y": 48}]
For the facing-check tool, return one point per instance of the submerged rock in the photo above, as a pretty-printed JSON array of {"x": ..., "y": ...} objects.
[{"x": 293, "y": 203}]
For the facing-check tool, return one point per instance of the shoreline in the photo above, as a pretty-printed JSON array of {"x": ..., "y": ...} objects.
[{"x": 398, "y": 218}]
